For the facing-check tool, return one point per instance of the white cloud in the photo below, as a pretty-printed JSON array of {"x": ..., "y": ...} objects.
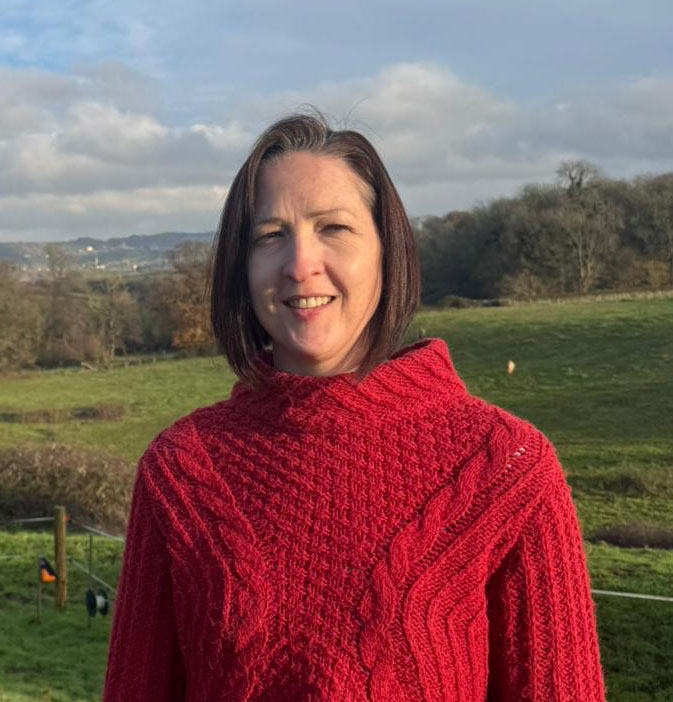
[
  {"x": 107, "y": 134},
  {"x": 89, "y": 153},
  {"x": 108, "y": 213}
]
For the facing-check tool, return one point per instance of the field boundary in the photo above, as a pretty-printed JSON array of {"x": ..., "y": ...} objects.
[{"x": 99, "y": 532}]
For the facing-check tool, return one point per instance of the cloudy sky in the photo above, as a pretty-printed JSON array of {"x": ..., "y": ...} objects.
[{"x": 131, "y": 117}]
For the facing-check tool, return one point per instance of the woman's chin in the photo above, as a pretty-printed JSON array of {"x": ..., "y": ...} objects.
[{"x": 309, "y": 356}]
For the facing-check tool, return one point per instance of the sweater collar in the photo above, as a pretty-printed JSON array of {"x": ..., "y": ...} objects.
[{"x": 417, "y": 376}]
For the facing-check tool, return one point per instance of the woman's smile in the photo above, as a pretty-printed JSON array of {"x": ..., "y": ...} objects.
[{"x": 308, "y": 308}]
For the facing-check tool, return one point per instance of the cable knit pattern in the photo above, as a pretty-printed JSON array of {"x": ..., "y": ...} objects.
[{"x": 392, "y": 540}]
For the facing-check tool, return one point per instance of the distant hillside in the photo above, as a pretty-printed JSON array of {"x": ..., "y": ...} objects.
[
  {"x": 120, "y": 253},
  {"x": 21, "y": 253},
  {"x": 150, "y": 242}
]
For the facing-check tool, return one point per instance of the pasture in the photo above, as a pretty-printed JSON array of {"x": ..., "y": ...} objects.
[{"x": 596, "y": 378}]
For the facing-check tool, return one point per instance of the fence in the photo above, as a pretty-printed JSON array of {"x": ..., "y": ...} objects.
[
  {"x": 60, "y": 520},
  {"x": 59, "y": 575}
]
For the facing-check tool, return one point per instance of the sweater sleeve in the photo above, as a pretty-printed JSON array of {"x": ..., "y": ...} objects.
[
  {"x": 543, "y": 643},
  {"x": 144, "y": 661}
]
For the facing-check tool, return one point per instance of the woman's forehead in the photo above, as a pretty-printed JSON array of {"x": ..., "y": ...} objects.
[{"x": 316, "y": 183}]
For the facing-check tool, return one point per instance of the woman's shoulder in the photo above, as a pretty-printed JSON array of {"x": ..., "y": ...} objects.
[
  {"x": 518, "y": 452},
  {"x": 182, "y": 445},
  {"x": 501, "y": 430},
  {"x": 516, "y": 434}
]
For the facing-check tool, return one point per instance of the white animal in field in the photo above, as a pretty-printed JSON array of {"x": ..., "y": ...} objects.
[{"x": 510, "y": 367}]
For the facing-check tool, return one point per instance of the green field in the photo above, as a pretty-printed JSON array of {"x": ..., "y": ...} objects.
[{"x": 596, "y": 378}]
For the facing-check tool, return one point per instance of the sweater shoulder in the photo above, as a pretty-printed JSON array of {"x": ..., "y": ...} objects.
[
  {"x": 518, "y": 453},
  {"x": 191, "y": 428},
  {"x": 503, "y": 430},
  {"x": 180, "y": 449}
]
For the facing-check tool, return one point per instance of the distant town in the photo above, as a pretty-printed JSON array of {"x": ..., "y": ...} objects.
[{"x": 120, "y": 255}]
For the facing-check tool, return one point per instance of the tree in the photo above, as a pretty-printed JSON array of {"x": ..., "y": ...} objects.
[
  {"x": 576, "y": 175},
  {"x": 67, "y": 337},
  {"x": 548, "y": 253},
  {"x": 114, "y": 316},
  {"x": 589, "y": 220},
  {"x": 187, "y": 296},
  {"x": 21, "y": 321},
  {"x": 58, "y": 261},
  {"x": 153, "y": 294},
  {"x": 448, "y": 248},
  {"x": 656, "y": 206},
  {"x": 590, "y": 227}
]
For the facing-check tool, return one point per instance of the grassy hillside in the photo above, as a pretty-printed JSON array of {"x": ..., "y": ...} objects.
[{"x": 596, "y": 378}]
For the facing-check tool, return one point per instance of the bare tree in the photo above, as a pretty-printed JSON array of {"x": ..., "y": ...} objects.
[
  {"x": 66, "y": 337},
  {"x": 576, "y": 175},
  {"x": 115, "y": 316},
  {"x": 187, "y": 296},
  {"x": 591, "y": 228},
  {"x": 58, "y": 260},
  {"x": 21, "y": 321}
]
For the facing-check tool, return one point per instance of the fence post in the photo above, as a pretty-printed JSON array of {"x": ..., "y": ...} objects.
[
  {"x": 60, "y": 557},
  {"x": 39, "y": 591}
]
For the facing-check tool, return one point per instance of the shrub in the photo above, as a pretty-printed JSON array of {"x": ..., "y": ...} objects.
[
  {"x": 94, "y": 487},
  {"x": 99, "y": 411},
  {"x": 634, "y": 535},
  {"x": 524, "y": 284},
  {"x": 628, "y": 481},
  {"x": 457, "y": 302}
]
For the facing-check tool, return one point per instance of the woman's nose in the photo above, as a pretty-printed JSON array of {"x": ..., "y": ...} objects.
[{"x": 304, "y": 258}]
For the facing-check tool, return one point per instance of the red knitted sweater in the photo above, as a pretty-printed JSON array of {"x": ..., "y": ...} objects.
[{"x": 316, "y": 539}]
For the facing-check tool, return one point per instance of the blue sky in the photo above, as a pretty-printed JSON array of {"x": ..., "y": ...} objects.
[{"x": 132, "y": 117}]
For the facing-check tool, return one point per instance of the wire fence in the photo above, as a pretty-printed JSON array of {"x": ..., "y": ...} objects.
[
  {"x": 94, "y": 530},
  {"x": 99, "y": 532}
]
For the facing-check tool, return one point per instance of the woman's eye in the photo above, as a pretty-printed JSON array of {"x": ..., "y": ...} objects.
[
  {"x": 270, "y": 235},
  {"x": 274, "y": 235}
]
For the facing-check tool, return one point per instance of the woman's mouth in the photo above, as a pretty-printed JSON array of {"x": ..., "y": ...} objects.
[
  {"x": 308, "y": 307},
  {"x": 309, "y": 302}
]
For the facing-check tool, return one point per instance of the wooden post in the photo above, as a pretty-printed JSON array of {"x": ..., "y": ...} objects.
[
  {"x": 39, "y": 591},
  {"x": 59, "y": 557},
  {"x": 88, "y": 619}
]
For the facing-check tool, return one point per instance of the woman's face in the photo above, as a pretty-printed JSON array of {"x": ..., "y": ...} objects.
[{"x": 313, "y": 237}]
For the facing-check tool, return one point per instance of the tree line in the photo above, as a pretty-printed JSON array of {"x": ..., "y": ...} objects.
[
  {"x": 584, "y": 233},
  {"x": 66, "y": 319}
]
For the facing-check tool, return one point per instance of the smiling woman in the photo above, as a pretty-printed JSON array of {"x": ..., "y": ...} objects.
[{"x": 351, "y": 524}]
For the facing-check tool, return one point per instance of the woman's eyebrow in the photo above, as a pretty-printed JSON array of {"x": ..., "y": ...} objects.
[{"x": 312, "y": 215}]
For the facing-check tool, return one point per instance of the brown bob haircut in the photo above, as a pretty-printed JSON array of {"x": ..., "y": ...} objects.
[{"x": 239, "y": 334}]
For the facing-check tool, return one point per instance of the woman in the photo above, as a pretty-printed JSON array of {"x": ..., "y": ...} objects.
[{"x": 351, "y": 524}]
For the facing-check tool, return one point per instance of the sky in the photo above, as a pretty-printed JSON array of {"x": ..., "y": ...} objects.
[{"x": 132, "y": 117}]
